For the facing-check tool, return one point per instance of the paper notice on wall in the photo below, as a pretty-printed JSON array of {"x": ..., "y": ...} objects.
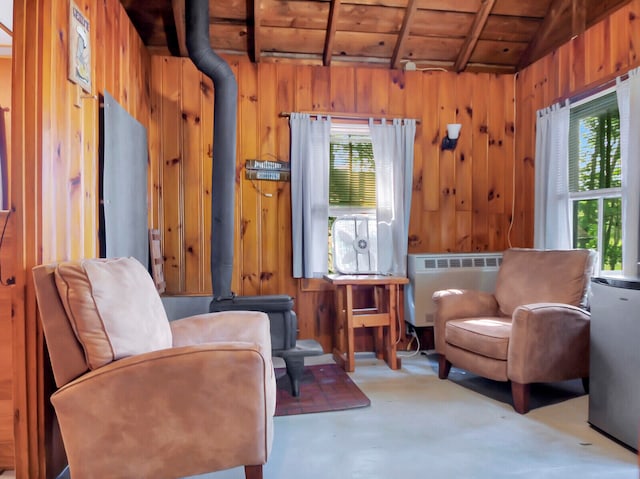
[{"x": 79, "y": 48}]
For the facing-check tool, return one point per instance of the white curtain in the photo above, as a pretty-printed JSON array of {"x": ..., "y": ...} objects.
[
  {"x": 393, "y": 153},
  {"x": 310, "y": 140},
  {"x": 628, "y": 95},
  {"x": 552, "y": 218}
]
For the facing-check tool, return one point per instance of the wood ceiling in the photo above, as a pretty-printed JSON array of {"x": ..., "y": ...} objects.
[{"x": 461, "y": 35}]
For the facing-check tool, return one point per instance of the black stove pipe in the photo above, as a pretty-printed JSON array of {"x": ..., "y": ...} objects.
[{"x": 224, "y": 144}]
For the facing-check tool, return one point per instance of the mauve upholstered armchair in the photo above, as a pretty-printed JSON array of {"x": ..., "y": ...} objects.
[
  {"x": 141, "y": 397},
  {"x": 534, "y": 328}
]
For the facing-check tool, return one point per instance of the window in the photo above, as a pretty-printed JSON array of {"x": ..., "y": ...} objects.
[
  {"x": 352, "y": 172},
  {"x": 595, "y": 179},
  {"x": 310, "y": 208},
  {"x": 352, "y": 176}
]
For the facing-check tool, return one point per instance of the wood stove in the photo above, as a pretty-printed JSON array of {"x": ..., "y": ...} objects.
[{"x": 284, "y": 330}]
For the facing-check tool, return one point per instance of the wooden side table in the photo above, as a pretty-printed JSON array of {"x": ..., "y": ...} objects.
[{"x": 382, "y": 315}]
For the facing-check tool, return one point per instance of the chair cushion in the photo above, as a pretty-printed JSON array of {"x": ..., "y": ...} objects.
[
  {"x": 529, "y": 276},
  {"x": 485, "y": 336},
  {"x": 113, "y": 307}
]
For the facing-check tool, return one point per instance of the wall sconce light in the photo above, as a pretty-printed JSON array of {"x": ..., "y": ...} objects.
[{"x": 453, "y": 132}]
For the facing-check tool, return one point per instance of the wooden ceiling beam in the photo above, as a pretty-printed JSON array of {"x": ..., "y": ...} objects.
[
  {"x": 409, "y": 16},
  {"x": 578, "y": 17},
  {"x": 255, "y": 29},
  {"x": 332, "y": 23},
  {"x": 472, "y": 38},
  {"x": 554, "y": 23},
  {"x": 181, "y": 29}
]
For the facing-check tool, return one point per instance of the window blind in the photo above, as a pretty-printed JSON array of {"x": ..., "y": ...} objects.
[{"x": 352, "y": 178}]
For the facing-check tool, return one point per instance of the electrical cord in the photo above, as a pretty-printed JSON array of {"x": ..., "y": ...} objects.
[
  {"x": 398, "y": 321},
  {"x": 414, "y": 335},
  {"x": 399, "y": 331},
  {"x": 513, "y": 177},
  {"x": 259, "y": 190}
]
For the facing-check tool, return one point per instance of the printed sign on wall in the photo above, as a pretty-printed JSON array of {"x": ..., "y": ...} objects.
[{"x": 79, "y": 48}]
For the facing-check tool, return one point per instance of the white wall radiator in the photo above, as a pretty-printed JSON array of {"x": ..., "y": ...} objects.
[{"x": 429, "y": 273}]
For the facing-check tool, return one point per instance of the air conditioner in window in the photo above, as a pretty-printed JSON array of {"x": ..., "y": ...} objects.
[{"x": 355, "y": 244}]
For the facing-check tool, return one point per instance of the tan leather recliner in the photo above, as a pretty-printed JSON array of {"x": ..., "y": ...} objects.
[
  {"x": 140, "y": 397},
  {"x": 534, "y": 328}
]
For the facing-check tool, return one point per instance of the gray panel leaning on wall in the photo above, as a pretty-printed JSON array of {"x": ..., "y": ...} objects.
[{"x": 123, "y": 183}]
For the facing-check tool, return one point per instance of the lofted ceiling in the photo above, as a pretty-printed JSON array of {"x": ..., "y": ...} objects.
[{"x": 460, "y": 35}]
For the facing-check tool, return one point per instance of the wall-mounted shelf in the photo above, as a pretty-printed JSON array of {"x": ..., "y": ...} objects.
[{"x": 267, "y": 170}]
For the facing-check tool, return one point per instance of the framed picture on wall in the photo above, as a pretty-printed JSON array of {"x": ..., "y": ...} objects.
[{"x": 79, "y": 48}]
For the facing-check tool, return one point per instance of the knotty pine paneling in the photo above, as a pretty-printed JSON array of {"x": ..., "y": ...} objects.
[
  {"x": 7, "y": 267},
  {"x": 249, "y": 200},
  {"x": 70, "y": 147},
  {"x": 285, "y": 100},
  {"x": 55, "y": 185},
  {"x": 606, "y": 50},
  {"x": 451, "y": 211},
  {"x": 193, "y": 168}
]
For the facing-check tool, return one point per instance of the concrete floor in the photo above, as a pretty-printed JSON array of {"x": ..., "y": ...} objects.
[{"x": 421, "y": 427}]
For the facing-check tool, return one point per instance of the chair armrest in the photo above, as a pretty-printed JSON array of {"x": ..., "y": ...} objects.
[
  {"x": 460, "y": 303},
  {"x": 549, "y": 342},
  {"x": 249, "y": 326},
  {"x": 170, "y": 413}
]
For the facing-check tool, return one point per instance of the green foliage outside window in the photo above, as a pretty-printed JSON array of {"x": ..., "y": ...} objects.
[
  {"x": 595, "y": 165},
  {"x": 586, "y": 234}
]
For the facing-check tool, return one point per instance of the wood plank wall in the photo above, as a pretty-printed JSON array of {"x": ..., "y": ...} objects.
[
  {"x": 7, "y": 261},
  {"x": 121, "y": 66},
  {"x": 462, "y": 200},
  {"x": 608, "y": 49},
  {"x": 55, "y": 185}
]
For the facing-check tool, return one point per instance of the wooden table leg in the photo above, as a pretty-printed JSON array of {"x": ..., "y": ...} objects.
[
  {"x": 392, "y": 357},
  {"x": 351, "y": 346},
  {"x": 340, "y": 333},
  {"x": 378, "y": 334},
  {"x": 379, "y": 344}
]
